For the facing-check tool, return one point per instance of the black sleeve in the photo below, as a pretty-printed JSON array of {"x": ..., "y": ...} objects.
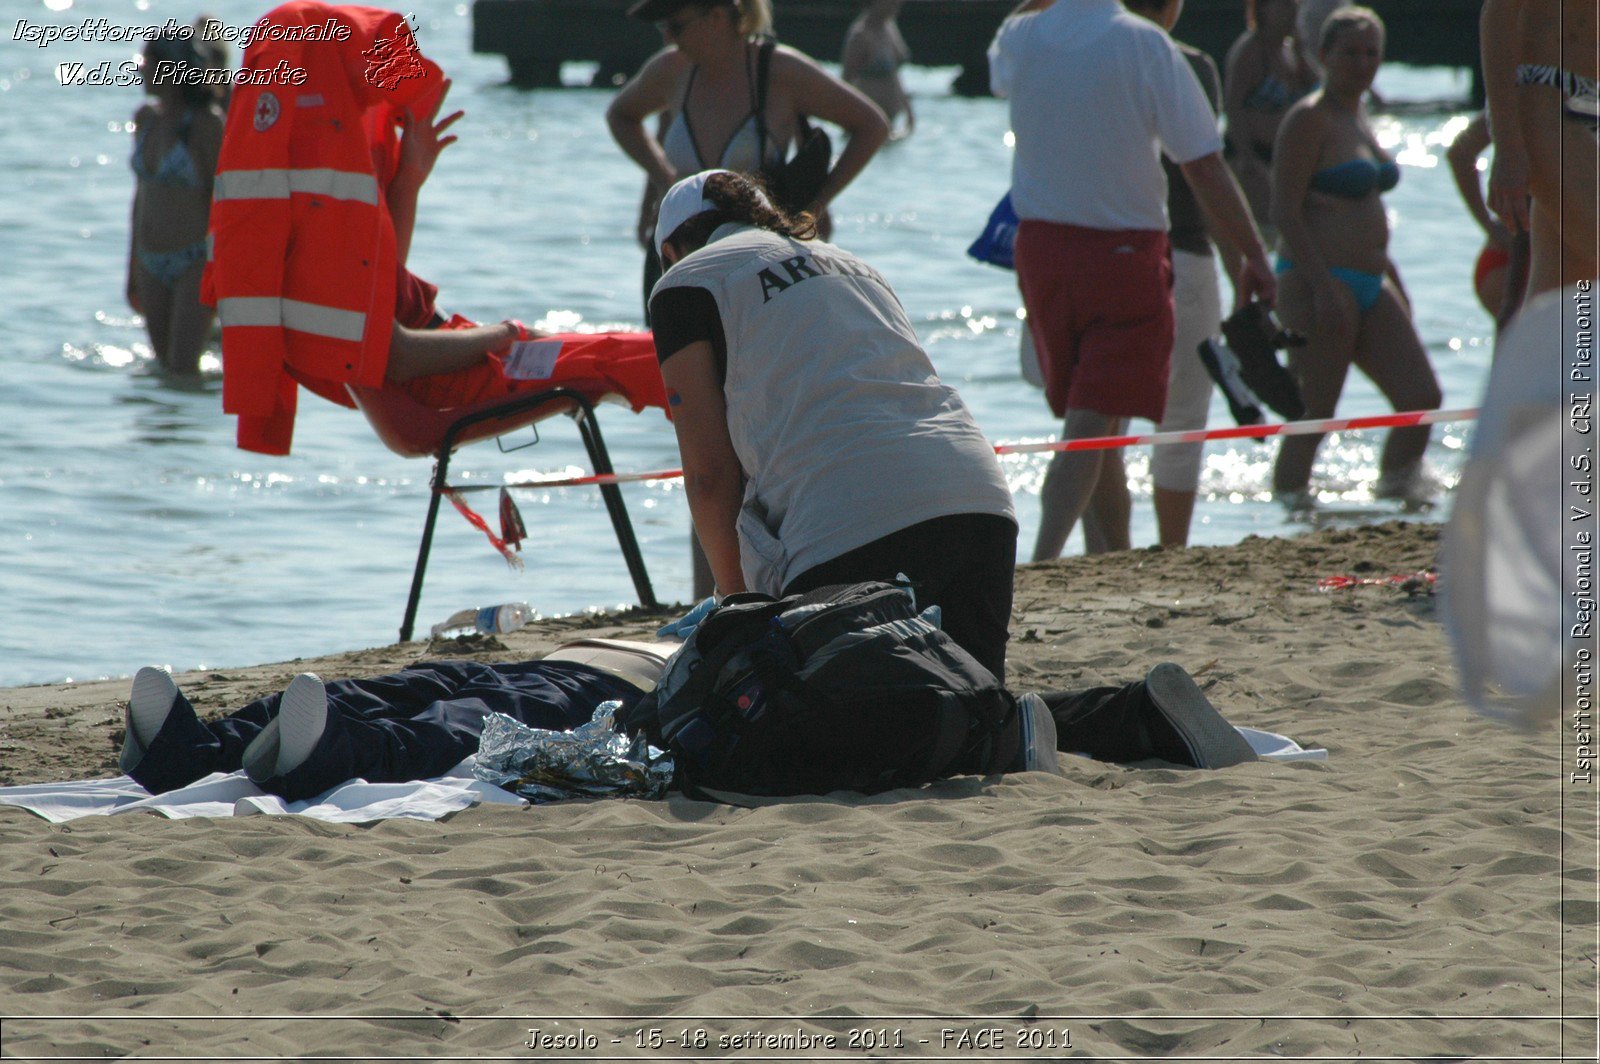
[{"x": 683, "y": 314}]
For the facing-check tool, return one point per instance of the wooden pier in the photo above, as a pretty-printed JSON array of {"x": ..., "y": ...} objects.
[{"x": 537, "y": 36}]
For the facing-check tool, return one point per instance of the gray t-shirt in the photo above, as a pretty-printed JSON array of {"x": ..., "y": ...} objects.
[{"x": 844, "y": 431}]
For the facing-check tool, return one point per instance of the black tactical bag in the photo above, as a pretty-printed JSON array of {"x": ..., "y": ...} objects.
[{"x": 842, "y": 688}]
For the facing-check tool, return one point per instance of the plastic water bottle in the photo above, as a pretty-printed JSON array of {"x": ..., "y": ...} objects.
[{"x": 486, "y": 620}]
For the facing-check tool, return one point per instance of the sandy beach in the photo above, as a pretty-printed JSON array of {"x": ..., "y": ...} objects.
[{"x": 1428, "y": 890}]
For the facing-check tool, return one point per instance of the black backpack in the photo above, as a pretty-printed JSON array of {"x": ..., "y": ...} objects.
[{"x": 841, "y": 688}]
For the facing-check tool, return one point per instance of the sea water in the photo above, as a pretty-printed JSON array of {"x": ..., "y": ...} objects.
[{"x": 133, "y": 532}]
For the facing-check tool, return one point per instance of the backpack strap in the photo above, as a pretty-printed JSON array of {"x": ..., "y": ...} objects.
[
  {"x": 763, "y": 74},
  {"x": 763, "y": 77}
]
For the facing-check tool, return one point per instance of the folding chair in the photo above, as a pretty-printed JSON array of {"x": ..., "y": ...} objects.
[{"x": 414, "y": 430}]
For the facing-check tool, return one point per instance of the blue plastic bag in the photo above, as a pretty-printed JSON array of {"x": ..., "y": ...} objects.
[
  {"x": 994, "y": 245},
  {"x": 684, "y": 626}
]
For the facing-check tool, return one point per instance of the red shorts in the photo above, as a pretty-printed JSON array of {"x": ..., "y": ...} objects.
[{"x": 1100, "y": 309}]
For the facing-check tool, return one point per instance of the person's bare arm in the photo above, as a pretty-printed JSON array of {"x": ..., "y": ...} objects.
[
  {"x": 205, "y": 141},
  {"x": 141, "y": 117},
  {"x": 650, "y": 197},
  {"x": 857, "y": 45},
  {"x": 1498, "y": 43},
  {"x": 1232, "y": 262},
  {"x": 1463, "y": 158},
  {"x": 713, "y": 480},
  {"x": 1229, "y": 217},
  {"x": 818, "y": 93},
  {"x": 422, "y": 139},
  {"x": 648, "y": 93},
  {"x": 132, "y": 283},
  {"x": 423, "y": 352}
]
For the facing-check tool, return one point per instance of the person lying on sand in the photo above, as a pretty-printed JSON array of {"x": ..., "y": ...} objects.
[
  {"x": 415, "y": 724},
  {"x": 425, "y": 719}
]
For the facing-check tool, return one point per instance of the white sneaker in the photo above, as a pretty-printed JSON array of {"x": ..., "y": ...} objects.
[
  {"x": 149, "y": 703},
  {"x": 288, "y": 739},
  {"x": 1038, "y": 736},
  {"x": 302, "y": 716}
]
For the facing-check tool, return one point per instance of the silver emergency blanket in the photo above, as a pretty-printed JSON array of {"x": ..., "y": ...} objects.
[{"x": 593, "y": 760}]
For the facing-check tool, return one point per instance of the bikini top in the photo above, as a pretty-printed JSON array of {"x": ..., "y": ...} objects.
[
  {"x": 1356, "y": 178},
  {"x": 742, "y": 152},
  {"x": 176, "y": 167},
  {"x": 1272, "y": 94}
]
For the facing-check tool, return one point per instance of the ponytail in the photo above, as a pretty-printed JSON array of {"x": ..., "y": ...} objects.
[{"x": 741, "y": 199}]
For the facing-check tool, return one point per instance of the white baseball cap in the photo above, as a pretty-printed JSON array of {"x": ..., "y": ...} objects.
[{"x": 683, "y": 201}]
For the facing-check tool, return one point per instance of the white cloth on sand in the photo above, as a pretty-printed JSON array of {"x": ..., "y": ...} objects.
[
  {"x": 356, "y": 802},
  {"x": 224, "y": 794},
  {"x": 1270, "y": 746}
]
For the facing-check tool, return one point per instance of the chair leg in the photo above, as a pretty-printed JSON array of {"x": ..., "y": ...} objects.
[
  {"x": 600, "y": 459},
  {"x": 441, "y": 468}
]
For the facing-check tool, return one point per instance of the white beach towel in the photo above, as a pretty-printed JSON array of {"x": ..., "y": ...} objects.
[
  {"x": 356, "y": 802},
  {"x": 232, "y": 794}
]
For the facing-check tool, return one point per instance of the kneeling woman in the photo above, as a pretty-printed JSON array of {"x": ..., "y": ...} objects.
[{"x": 819, "y": 447}]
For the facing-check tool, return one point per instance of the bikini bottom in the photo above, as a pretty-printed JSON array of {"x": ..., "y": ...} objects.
[
  {"x": 168, "y": 266},
  {"x": 1582, "y": 94},
  {"x": 1366, "y": 287}
]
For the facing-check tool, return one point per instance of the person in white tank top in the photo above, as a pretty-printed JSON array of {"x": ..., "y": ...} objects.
[{"x": 819, "y": 445}]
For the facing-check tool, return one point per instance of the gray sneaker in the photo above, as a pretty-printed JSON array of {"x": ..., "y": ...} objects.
[
  {"x": 290, "y": 737},
  {"x": 1038, "y": 736},
  {"x": 1207, "y": 736},
  {"x": 149, "y": 703}
]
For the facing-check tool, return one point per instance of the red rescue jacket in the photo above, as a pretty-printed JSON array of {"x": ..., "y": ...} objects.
[{"x": 303, "y": 257}]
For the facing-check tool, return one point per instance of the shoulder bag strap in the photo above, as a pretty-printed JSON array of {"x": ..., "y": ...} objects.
[{"x": 763, "y": 72}]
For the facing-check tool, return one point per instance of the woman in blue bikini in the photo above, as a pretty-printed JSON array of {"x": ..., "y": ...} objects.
[
  {"x": 177, "y": 135},
  {"x": 1338, "y": 286}
]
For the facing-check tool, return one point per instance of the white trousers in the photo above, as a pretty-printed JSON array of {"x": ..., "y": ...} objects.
[{"x": 1197, "y": 309}]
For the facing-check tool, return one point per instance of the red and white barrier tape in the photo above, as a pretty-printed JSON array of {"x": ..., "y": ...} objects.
[
  {"x": 1287, "y": 428},
  {"x": 1096, "y": 443}
]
